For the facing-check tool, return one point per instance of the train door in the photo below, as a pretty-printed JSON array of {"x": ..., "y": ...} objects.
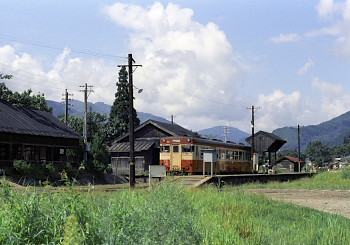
[{"x": 175, "y": 158}]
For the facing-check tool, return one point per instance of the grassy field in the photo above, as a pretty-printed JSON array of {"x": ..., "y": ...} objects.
[
  {"x": 166, "y": 215},
  {"x": 336, "y": 180}
]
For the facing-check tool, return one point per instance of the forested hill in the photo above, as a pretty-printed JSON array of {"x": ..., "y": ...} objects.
[
  {"x": 331, "y": 133},
  {"x": 77, "y": 109}
]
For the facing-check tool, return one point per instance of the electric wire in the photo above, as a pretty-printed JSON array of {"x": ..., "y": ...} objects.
[{"x": 109, "y": 56}]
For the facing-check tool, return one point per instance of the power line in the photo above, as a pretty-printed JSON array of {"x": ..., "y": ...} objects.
[
  {"x": 17, "y": 70},
  {"x": 62, "y": 49}
]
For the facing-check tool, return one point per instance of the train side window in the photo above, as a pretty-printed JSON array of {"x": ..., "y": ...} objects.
[
  {"x": 187, "y": 148},
  {"x": 165, "y": 148},
  {"x": 240, "y": 155},
  {"x": 235, "y": 155},
  {"x": 175, "y": 148},
  {"x": 223, "y": 155},
  {"x": 228, "y": 153}
]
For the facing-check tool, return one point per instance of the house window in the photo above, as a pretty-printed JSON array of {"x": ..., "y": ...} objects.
[{"x": 4, "y": 152}]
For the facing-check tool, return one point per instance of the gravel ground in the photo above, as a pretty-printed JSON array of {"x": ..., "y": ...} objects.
[{"x": 332, "y": 201}]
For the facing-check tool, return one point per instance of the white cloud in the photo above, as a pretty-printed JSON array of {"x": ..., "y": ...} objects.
[
  {"x": 66, "y": 72},
  {"x": 334, "y": 100},
  {"x": 278, "y": 108},
  {"x": 189, "y": 69},
  {"x": 338, "y": 14},
  {"x": 306, "y": 67},
  {"x": 284, "y": 38},
  {"x": 326, "y": 8}
]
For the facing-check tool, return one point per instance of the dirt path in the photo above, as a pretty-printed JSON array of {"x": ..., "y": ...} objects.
[{"x": 332, "y": 201}]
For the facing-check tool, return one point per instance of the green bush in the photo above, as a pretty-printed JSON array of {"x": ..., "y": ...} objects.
[{"x": 22, "y": 167}]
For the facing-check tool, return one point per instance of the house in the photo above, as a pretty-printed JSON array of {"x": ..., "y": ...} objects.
[
  {"x": 289, "y": 164},
  {"x": 147, "y": 137},
  {"x": 33, "y": 136}
]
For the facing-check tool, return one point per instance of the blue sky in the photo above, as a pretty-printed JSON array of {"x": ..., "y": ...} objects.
[{"x": 203, "y": 61}]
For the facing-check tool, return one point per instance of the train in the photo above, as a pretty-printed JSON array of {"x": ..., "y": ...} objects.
[{"x": 185, "y": 155}]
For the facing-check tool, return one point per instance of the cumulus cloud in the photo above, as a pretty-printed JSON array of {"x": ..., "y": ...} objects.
[
  {"x": 306, "y": 67},
  {"x": 65, "y": 72},
  {"x": 338, "y": 14},
  {"x": 285, "y": 38},
  {"x": 326, "y": 8},
  {"x": 278, "y": 108},
  {"x": 189, "y": 69},
  {"x": 335, "y": 100}
]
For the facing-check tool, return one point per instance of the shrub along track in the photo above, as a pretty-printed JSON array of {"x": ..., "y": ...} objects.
[{"x": 331, "y": 201}]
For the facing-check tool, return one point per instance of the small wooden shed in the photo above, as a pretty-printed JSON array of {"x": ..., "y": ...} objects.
[
  {"x": 265, "y": 142},
  {"x": 289, "y": 164}
]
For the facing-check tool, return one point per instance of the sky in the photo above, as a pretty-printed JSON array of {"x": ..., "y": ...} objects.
[{"x": 204, "y": 62}]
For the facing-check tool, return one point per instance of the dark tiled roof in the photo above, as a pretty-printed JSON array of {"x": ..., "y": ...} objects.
[
  {"x": 32, "y": 122},
  {"x": 171, "y": 129},
  {"x": 142, "y": 145}
]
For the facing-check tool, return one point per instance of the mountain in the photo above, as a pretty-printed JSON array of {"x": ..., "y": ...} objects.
[
  {"x": 236, "y": 135},
  {"x": 331, "y": 133},
  {"x": 77, "y": 109}
]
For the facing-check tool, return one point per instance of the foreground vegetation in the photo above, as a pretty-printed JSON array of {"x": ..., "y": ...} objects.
[
  {"x": 166, "y": 215},
  {"x": 333, "y": 180}
]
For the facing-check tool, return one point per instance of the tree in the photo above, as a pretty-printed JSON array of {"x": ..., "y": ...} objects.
[
  {"x": 24, "y": 99},
  {"x": 98, "y": 158},
  {"x": 118, "y": 122},
  {"x": 341, "y": 150},
  {"x": 317, "y": 152}
]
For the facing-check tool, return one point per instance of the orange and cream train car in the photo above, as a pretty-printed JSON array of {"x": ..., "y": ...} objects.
[{"x": 184, "y": 154}]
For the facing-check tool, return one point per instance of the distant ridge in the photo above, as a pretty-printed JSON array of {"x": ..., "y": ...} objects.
[
  {"x": 78, "y": 110},
  {"x": 217, "y": 132},
  {"x": 331, "y": 133},
  {"x": 236, "y": 135}
]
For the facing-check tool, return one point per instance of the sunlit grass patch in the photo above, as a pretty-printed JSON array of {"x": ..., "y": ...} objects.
[
  {"x": 336, "y": 180},
  {"x": 168, "y": 214}
]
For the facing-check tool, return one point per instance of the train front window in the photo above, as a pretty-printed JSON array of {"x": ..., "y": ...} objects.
[
  {"x": 187, "y": 148},
  {"x": 175, "y": 148},
  {"x": 165, "y": 148}
]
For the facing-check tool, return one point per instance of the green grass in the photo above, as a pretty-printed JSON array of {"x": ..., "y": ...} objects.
[
  {"x": 166, "y": 215},
  {"x": 337, "y": 180}
]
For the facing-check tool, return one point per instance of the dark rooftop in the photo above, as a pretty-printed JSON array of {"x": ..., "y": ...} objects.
[{"x": 32, "y": 122}]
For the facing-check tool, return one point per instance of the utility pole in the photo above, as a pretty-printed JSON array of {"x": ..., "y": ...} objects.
[
  {"x": 299, "y": 148},
  {"x": 66, "y": 99},
  {"x": 85, "y": 126},
  {"x": 226, "y": 133},
  {"x": 252, "y": 123},
  {"x": 131, "y": 121}
]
